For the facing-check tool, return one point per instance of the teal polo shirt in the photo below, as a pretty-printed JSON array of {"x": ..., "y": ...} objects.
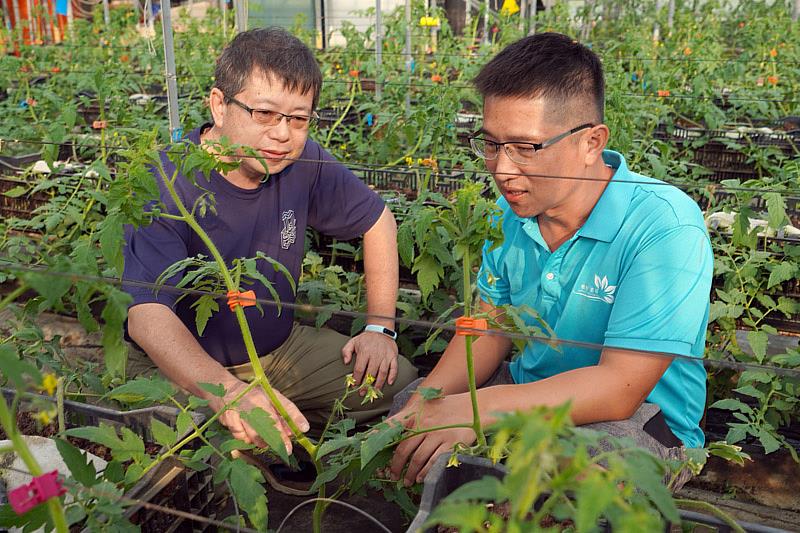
[{"x": 636, "y": 275}]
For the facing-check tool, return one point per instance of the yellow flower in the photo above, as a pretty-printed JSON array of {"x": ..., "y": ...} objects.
[
  {"x": 350, "y": 381},
  {"x": 453, "y": 461},
  {"x": 409, "y": 160},
  {"x": 369, "y": 380},
  {"x": 45, "y": 417},
  {"x": 371, "y": 396},
  {"x": 49, "y": 383}
]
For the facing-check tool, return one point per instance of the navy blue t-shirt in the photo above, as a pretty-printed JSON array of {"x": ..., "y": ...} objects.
[{"x": 271, "y": 219}]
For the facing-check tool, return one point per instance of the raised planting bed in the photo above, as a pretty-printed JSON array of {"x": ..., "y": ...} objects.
[
  {"x": 170, "y": 484},
  {"x": 409, "y": 182},
  {"x": 716, "y": 150},
  {"x": 441, "y": 481}
]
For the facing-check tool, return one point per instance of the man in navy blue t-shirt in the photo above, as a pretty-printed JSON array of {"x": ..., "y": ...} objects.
[{"x": 266, "y": 87}]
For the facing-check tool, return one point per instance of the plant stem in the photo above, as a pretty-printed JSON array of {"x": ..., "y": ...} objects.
[
  {"x": 13, "y": 295},
  {"x": 341, "y": 117},
  {"x": 473, "y": 389},
  {"x": 62, "y": 426},
  {"x": 713, "y": 509},
  {"x": 54, "y": 506}
]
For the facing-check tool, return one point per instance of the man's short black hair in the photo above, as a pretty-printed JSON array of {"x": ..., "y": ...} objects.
[
  {"x": 273, "y": 51},
  {"x": 548, "y": 65}
]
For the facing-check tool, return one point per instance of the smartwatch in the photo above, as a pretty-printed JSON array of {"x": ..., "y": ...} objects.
[{"x": 380, "y": 329}]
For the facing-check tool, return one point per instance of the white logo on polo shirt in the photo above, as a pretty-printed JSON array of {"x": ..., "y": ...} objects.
[
  {"x": 289, "y": 231},
  {"x": 601, "y": 291}
]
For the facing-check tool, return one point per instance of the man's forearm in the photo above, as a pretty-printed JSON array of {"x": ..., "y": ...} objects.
[
  {"x": 173, "y": 348},
  {"x": 381, "y": 270}
]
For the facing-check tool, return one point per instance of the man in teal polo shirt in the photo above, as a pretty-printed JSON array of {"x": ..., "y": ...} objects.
[{"x": 604, "y": 255}]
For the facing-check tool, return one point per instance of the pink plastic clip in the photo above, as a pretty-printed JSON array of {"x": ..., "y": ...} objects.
[{"x": 39, "y": 490}]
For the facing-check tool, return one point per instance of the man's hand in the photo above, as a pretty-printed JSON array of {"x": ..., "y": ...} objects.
[
  {"x": 421, "y": 451},
  {"x": 256, "y": 398},
  {"x": 376, "y": 355}
]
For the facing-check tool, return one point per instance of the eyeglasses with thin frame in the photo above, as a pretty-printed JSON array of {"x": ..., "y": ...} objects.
[
  {"x": 267, "y": 117},
  {"x": 521, "y": 153}
]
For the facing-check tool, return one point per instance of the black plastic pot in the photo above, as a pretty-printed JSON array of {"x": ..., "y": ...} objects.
[
  {"x": 442, "y": 481},
  {"x": 170, "y": 484}
]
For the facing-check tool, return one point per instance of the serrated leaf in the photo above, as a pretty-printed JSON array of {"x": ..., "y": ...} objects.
[
  {"x": 205, "y": 307},
  {"x": 183, "y": 423},
  {"x": 152, "y": 389},
  {"x": 731, "y": 405},
  {"x": 377, "y": 441},
  {"x": 758, "y": 343},
  {"x": 217, "y": 390},
  {"x": 768, "y": 441},
  {"x": 783, "y": 271},
  {"x": 462, "y": 516},
  {"x": 331, "y": 445},
  {"x": 78, "y": 463},
  {"x": 246, "y": 486},
  {"x": 776, "y": 209},
  {"x": 749, "y": 390},
  {"x": 162, "y": 433},
  {"x": 429, "y": 393},
  {"x": 15, "y": 369},
  {"x": 266, "y": 429}
]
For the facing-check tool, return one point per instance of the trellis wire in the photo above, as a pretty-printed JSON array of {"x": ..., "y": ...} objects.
[
  {"x": 444, "y": 326},
  {"x": 440, "y": 172}
]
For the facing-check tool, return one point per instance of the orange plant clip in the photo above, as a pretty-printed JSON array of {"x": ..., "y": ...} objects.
[
  {"x": 477, "y": 325},
  {"x": 244, "y": 299}
]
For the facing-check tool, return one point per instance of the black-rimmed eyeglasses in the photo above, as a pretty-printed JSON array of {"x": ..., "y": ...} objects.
[
  {"x": 267, "y": 117},
  {"x": 521, "y": 153}
]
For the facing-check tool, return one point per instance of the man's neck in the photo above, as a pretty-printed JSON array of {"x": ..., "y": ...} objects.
[
  {"x": 237, "y": 176},
  {"x": 559, "y": 226}
]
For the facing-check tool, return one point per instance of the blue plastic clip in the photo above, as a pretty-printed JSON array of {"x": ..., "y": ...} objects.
[
  {"x": 413, "y": 64},
  {"x": 370, "y": 118},
  {"x": 177, "y": 134},
  {"x": 23, "y": 104}
]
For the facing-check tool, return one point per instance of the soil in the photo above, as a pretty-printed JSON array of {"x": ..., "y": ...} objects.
[{"x": 503, "y": 510}]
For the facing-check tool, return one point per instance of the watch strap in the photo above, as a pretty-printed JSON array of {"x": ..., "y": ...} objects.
[{"x": 381, "y": 329}]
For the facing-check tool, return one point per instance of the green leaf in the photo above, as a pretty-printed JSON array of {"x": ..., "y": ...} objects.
[
  {"x": 429, "y": 393},
  {"x": 103, "y": 434},
  {"x": 205, "y": 307},
  {"x": 488, "y": 488},
  {"x": 217, "y": 390},
  {"x": 16, "y": 192},
  {"x": 77, "y": 461},
  {"x": 162, "y": 433},
  {"x": 183, "y": 423},
  {"x": 776, "y": 208},
  {"x": 151, "y": 389},
  {"x": 266, "y": 429},
  {"x": 111, "y": 238},
  {"x": 783, "y": 271},
  {"x": 646, "y": 476},
  {"x": 382, "y": 436},
  {"x": 15, "y": 369},
  {"x": 768, "y": 441},
  {"x": 246, "y": 486},
  {"x": 429, "y": 273},
  {"x": 405, "y": 244},
  {"x": 592, "y": 498},
  {"x": 749, "y": 390},
  {"x": 758, "y": 342},
  {"x": 463, "y": 516},
  {"x": 736, "y": 433},
  {"x": 332, "y": 445}
]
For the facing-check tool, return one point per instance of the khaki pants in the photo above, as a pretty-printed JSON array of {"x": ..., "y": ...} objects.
[{"x": 307, "y": 369}]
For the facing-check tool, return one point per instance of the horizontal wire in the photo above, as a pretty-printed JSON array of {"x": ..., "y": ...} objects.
[
  {"x": 94, "y": 491},
  {"x": 333, "y": 50},
  {"x": 446, "y": 84},
  {"x": 444, "y": 326},
  {"x": 440, "y": 173}
]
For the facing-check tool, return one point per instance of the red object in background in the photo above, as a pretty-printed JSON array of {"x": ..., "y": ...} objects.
[
  {"x": 39, "y": 490},
  {"x": 37, "y": 21}
]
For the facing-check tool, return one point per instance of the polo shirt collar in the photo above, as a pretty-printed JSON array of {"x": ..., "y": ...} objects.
[{"x": 609, "y": 212}]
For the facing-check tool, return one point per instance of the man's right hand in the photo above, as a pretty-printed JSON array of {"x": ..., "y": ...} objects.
[{"x": 256, "y": 398}]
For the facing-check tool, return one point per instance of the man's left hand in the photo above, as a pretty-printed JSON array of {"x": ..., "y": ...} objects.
[
  {"x": 421, "y": 451},
  {"x": 376, "y": 355}
]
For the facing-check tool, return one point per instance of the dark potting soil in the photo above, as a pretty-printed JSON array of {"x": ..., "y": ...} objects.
[{"x": 28, "y": 425}]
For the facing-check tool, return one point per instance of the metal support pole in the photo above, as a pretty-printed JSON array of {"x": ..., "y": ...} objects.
[
  {"x": 523, "y": 9},
  {"x": 486, "y": 21},
  {"x": 175, "y": 130},
  {"x": 378, "y": 51},
  {"x": 587, "y": 21},
  {"x": 796, "y": 11},
  {"x": 106, "y": 14},
  {"x": 534, "y": 7},
  {"x": 241, "y": 15},
  {"x": 409, "y": 59},
  {"x": 671, "y": 15}
]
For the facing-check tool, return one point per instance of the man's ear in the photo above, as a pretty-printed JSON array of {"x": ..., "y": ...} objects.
[
  {"x": 595, "y": 141},
  {"x": 216, "y": 102}
]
